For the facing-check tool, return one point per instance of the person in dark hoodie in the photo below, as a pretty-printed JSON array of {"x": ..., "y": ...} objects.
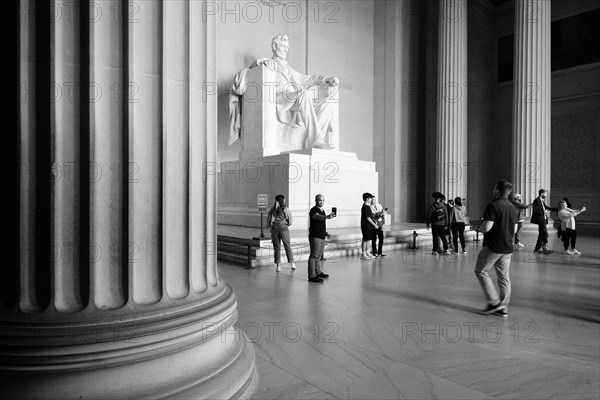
[
  {"x": 458, "y": 219},
  {"x": 437, "y": 216}
]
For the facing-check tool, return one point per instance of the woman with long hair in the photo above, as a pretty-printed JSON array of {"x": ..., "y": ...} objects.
[
  {"x": 457, "y": 218},
  {"x": 279, "y": 219}
]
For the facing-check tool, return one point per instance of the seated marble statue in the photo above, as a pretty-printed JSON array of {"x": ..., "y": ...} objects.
[{"x": 297, "y": 107}]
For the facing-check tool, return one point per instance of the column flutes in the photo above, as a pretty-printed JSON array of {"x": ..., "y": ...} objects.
[
  {"x": 451, "y": 171},
  {"x": 66, "y": 163},
  {"x": 145, "y": 154},
  {"x": 108, "y": 166},
  {"x": 532, "y": 101},
  {"x": 118, "y": 291}
]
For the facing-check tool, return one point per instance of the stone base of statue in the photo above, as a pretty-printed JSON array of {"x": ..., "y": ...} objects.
[{"x": 298, "y": 175}]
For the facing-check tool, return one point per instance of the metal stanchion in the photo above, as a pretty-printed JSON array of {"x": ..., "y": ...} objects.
[
  {"x": 414, "y": 244},
  {"x": 262, "y": 235},
  {"x": 249, "y": 254},
  {"x": 476, "y": 239}
]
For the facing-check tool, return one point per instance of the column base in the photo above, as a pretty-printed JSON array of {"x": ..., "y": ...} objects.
[{"x": 192, "y": 351}]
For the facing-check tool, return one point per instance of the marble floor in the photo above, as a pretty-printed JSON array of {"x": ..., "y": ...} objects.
[{"x": 407, "y": 327}]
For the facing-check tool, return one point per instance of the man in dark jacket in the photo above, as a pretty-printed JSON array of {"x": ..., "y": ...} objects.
[
  {"x": 437, "y": 216},
  {"x": 539, "y": 217}
]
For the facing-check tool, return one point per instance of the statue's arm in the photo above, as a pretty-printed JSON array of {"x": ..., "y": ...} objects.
[{"x": 267, "y": 62}]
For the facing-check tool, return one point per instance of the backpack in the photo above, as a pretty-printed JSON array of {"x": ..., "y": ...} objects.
[{"x": 438, "y": 215}]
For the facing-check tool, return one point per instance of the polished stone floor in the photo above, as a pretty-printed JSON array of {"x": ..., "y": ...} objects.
[{"x": 407, "y": 327}]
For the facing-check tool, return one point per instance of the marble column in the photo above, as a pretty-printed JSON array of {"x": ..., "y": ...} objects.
[
  {"x": 451, "y": 151},
  {"x": 531, "y": 90},
  {"x": 125, "y": 301},
  {"x": 398, "y": 88}
]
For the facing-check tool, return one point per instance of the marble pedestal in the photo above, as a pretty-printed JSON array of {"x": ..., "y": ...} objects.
[{"x": 299, "y": 175}]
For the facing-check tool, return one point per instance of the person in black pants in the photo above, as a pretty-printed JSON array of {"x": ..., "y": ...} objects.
[
  {"x": 538, "y": 217},
  {"x": 437, "y": 216},
  {"x": 567, "y": 222},
  {"x": 379, "y": 218},
  {"x": 457, "y": 220}
]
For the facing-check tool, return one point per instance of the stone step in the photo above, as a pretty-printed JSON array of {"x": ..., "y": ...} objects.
[{"x": 255, "y": 252}]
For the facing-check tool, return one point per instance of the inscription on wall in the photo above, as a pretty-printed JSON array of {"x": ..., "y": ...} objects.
[{"x": 575, "y": 150}]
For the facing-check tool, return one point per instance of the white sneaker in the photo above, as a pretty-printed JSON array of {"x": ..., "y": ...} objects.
[
  {"x": 365, "y": 256},
  {"x": 569, "y": 252},
  {"x": 278, "y": 269},
  {"x": 519, "y": 245},
  {"x": 293, "y": 266},
  {"x": 576, "y": 252}
]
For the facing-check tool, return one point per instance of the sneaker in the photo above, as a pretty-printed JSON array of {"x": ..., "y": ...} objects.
[
  {"x": 569, "y": 252},
  {"x": 278, "y": 269},
  {"x": 376, "y": 256},
  {"x": 464, "y": 251},
  {"x": 316, "y": 279},
  {"x": 576, "y": 252},
  {"x": 383, "y": 255},
  {"x": 365, "y": 257},
  {"x": 446, "y": 252},
  {"x": 493, "y": 308},
  {"x": 537, "y": 251},
  {"x": 323, "y": 276},
  {"x": 435, "y": 252},
  {"x": 548, "y": 251},
  {"x": 293, "y": 266},
  {"x": 501, "y": 313},
  {"x": 519, "y": 245}
]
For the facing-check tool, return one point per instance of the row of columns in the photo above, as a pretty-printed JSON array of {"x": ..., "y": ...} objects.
[
  {"x": 531, "y": 108},
  {"x": 127, "y": 216}
]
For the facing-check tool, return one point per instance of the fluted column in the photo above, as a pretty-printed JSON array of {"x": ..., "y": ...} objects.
[
  {"x": 451, "y": 172},
  {"x": 531, "y": 91},
  {"x": 119, "y": 295}
]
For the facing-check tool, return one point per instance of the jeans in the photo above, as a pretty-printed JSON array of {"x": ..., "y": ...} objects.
[
  {"x": 378, "y": 234},
  {"x": 519, "y": 225},
  {"x": 315, "y": 263},
  {"x": 501, "y": 263},
  {"x": 438, "y": 232},
  {"x": 542, "y": 239},
  {"x": 458, "y": 232},
  {"x": 279, "y": 234}
]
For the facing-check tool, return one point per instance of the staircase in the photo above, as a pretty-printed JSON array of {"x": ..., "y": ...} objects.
[{"x": 242, "y": 246}]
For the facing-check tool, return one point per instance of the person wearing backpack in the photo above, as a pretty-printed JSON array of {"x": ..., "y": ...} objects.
[{"x": 437, "y": 216}]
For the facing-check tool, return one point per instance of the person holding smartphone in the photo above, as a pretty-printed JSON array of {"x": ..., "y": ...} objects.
[
  {"x": 317, "y": 232},
  {"x": 567, "y": 224},
  {"x": 279, "y": 219}
]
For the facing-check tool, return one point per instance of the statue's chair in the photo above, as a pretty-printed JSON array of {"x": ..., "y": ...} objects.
[{"x": 262, "y": 134}]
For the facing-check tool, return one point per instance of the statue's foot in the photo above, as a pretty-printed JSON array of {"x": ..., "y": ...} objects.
[{"x": 319, "y": 144}]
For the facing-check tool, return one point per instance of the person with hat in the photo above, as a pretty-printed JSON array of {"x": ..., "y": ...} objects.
[
  {"x": 518, "y": 202},
  {"x": 367, "y": 226},
  {"x": 437, "y": 216}
]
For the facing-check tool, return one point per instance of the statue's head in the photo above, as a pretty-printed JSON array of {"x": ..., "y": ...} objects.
[{"x": 279, "y": 46}]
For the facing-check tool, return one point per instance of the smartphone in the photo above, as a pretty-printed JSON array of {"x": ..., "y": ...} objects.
[{"x": 334, "y": 210}]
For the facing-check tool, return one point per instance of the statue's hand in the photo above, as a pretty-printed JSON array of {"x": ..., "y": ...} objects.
[
  {"x": 269, "y": 63},
  {"x": 332, "y": 81}
]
